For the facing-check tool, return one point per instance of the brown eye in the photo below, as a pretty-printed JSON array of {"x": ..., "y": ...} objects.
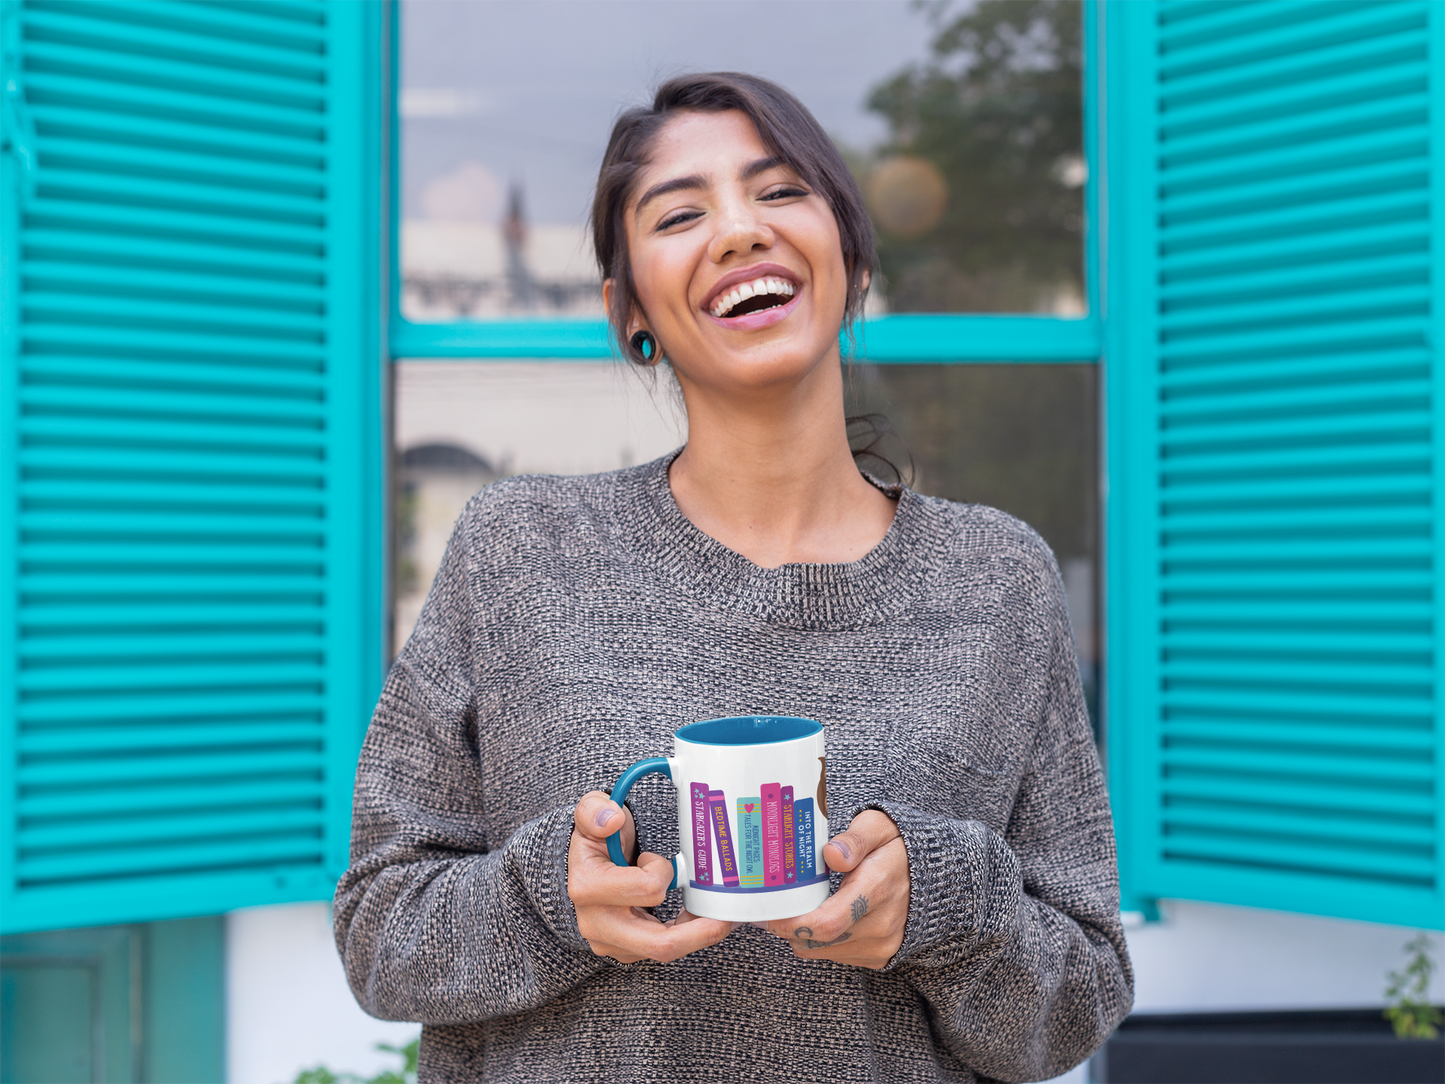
[{"x": 677, "y": 219}]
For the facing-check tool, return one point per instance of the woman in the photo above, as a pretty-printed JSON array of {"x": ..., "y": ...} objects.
[{"x": 576, "y": 622}]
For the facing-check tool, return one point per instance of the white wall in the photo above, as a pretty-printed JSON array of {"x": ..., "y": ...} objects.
[
  {"x": 1205, "y": 957},
  {"x": 288, "y": 1007}
]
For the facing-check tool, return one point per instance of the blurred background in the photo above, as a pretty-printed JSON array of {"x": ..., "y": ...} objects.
[{"x": 964, "y": 121}]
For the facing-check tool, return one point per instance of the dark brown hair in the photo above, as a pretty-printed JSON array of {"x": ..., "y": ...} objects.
[{"x": 785, "y": 127}]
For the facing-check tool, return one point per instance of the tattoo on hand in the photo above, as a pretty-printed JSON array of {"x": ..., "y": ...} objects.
[
  {"x": 805, "y": 935},
  {"x": 860, "y": 907}
]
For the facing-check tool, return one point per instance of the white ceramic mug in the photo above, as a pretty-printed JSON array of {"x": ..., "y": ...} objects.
[{"x": 752, "y": 816}]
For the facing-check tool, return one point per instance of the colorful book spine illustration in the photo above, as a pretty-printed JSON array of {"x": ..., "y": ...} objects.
[
  {"x": 701, "y": 852},
  {"x": 790, "y": 840},
  {"x": 772, "y": 835},
  {"x": 807, "y": 845},
  {"x": 727, "y": 862},
  {"x": 750, "y": 842}
]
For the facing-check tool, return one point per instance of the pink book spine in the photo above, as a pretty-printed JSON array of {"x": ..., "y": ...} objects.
[
  {"x": 772, "y": 835},
  {"x": 727, "y": 862},
  {"x": 701, "y": 852},
  {"x": 790, "y": 839}
]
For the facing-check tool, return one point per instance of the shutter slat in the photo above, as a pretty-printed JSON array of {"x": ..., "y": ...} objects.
[
  {"x": 1259, "y": 696},
  {"x": 1323, "y": 831},
  {"x": 282, "y": 413},
  {"x": 105, "y": 804},
  {"x": 204, "y": 616},
  {"x": 222, "y": 762},
  {"x": 1337, "y": 859},
  {"x": 76, "y": 682},
  {"x": 1350, "y": 75},
  {"x": 1380, "y": 803},
  {"x": 95, "y": 739},
  {"x": 1350, "y": 740},
  {"x": 72, "y": 122},
  {"x": 162, "y": 342},
  {"x": 237, "y": 823},
  {"x": 1253, "y": 283},
  {"x": 1365, "y": 302},
  {"x": 211, "y": 176},
  {"x": 1396, "y": 680},
  {"x": 195, "y": 287},
  {"x": 221, "y": 245},
  {"x": 108, "y": 96},
  {"x": 127, "y": 31},
  {"x": 1222, "y": 91},
  {"x": 213, "y": 854},
  {"x": 243, "y": 204},
  {"x": 177, "y": 704},
  {"x": 173, "y": 315},
  {"x": 277, "y": 25},
  {"x": 1257, "y": 51}
]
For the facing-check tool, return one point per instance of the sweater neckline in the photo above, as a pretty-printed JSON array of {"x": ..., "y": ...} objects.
[{"x": 878, "y": 586}]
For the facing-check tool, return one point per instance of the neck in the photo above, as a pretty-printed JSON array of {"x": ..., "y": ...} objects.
[{"x": 768, "y": 473}]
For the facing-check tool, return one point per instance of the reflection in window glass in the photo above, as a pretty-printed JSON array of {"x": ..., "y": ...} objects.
[
  {"x": 1023, "y": 438},
  {"x": 962, "y": 121}
]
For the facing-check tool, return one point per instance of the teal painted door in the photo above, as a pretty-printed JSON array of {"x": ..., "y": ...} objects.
[
  {"x": 190, "y": 452},
  {"x": 1275, "y": 318},
  {"x": 140, "y": 1004}
]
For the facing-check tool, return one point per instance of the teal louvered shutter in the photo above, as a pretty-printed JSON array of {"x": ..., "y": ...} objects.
[
  {"x": 190, "y": 571},
  {"x": 1276, "y": 398}
]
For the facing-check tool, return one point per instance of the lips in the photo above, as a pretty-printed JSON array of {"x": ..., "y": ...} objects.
[{"x": 752, "y": 291}]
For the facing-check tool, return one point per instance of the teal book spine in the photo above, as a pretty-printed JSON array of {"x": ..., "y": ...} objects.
[{"x": 750, "y": 842}]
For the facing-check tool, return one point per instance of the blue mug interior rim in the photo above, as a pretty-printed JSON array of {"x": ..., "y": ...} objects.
[{"x": 749, "y": 730}]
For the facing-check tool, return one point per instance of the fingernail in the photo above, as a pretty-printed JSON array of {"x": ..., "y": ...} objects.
[
  {"x": 604, "y": 815},
  {"x": 760, "y": 926},
  {"x": 838, "y": 842},
  {"x": 736, "y": 925}
]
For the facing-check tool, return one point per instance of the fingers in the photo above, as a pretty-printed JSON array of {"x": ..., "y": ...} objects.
[
  {"x": 596, "y": 815},
  {"x": 601, "y": 883},
  {"x": 631, "y": 935},
  {"x": 863, "y": 922},
  {"x": 868, "y": 831}
]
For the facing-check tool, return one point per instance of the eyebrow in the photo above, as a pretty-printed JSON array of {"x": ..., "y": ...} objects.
[{"x": 697, "y": 180}]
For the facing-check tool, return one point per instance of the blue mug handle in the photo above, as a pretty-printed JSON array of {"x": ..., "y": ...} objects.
[{"x": 658, "y": 765}]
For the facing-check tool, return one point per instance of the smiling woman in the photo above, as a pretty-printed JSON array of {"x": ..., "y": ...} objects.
[{"x": 576, "y": 623}]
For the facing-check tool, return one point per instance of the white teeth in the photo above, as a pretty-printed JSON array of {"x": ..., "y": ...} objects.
[{"x": 745, "y": 290}]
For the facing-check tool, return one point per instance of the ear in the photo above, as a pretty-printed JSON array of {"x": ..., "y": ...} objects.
[
  {"x": 608, "y": 287},
  {"x": 867, "y": 280}
]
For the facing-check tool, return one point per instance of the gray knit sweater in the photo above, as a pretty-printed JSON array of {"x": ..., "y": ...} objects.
[{"x": 574, "y": 624}]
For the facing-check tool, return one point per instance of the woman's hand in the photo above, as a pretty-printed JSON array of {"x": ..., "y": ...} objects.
[
  {"x": 861, "y": 923},
  {"x": 612, "y": 900}
]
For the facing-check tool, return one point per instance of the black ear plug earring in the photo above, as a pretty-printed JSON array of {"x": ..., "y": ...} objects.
[{"x": 645, "y": 348}]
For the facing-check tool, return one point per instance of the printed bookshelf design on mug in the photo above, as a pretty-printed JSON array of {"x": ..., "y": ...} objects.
[{"x": 770, "y": 845}]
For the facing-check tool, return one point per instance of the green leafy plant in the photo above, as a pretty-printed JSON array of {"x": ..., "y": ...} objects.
[
  {"x": 406, "y": 1075},
  {"x": 1411, "y": 1014}
]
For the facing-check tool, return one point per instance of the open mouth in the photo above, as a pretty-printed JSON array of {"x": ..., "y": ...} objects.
[{"x": 768, "y": 292}]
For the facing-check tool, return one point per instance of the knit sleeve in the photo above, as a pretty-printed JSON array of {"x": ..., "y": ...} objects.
[
  {"x": 435, "y": 921},
  {"x": 1013, "y": 940}
]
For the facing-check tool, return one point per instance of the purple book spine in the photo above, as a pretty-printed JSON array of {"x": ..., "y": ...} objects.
[
  {"x": 701, "y": 854},
  {"x": 722, "y": 835},
  {"x": 790, "y": 840},
  {"x": 772, "y": 836}
]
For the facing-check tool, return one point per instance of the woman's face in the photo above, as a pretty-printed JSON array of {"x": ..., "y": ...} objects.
[{"x": 737, "y": 264}]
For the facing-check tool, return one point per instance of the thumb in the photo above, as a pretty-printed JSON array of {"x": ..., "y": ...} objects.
[
  {"x": 869, "y": 831},
  {"x": 598, "y": 816}
]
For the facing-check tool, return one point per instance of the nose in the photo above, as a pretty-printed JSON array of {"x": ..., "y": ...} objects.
[{"x": 739, "y": 231}]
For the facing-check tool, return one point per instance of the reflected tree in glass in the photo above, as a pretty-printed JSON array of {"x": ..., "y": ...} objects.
[{"x": 978, "y": 191}]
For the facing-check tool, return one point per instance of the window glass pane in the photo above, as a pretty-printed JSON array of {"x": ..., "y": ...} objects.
[
  {"x": 1023, "y": 438},
  {"x": 962, "y": 121}
]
